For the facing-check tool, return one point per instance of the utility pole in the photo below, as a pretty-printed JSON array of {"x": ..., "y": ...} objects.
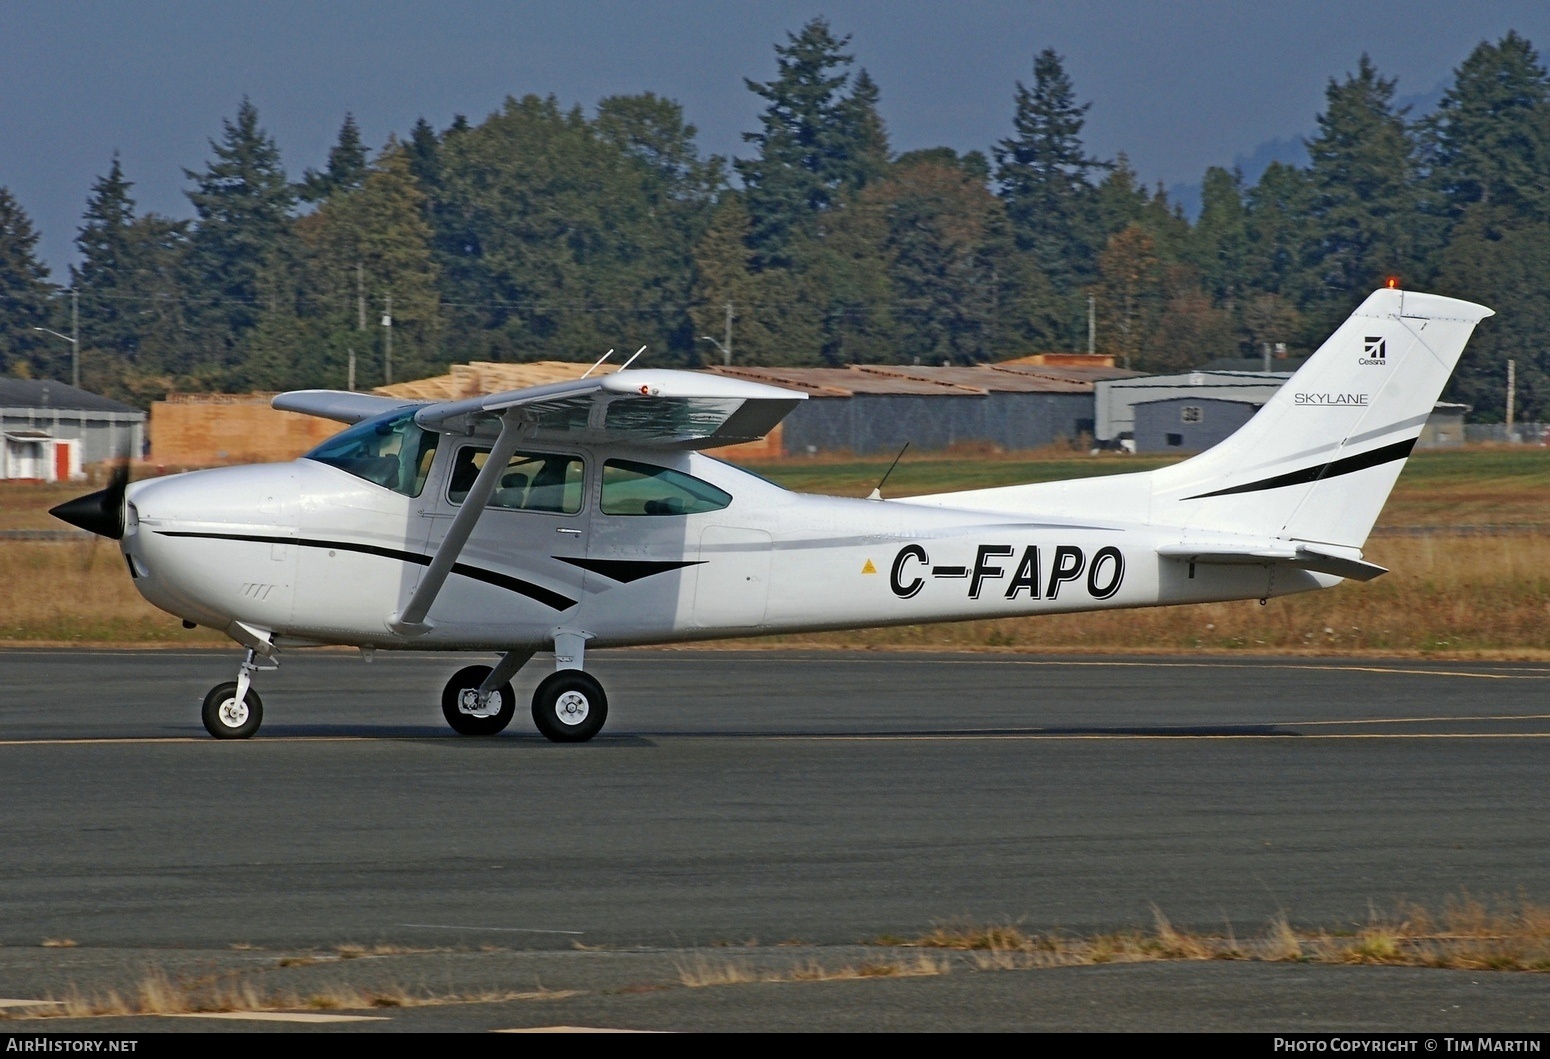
[
  {"x": 75, "y": 341},
  {"x": 1092, "y": 325},
  {"x": 726, "y": 350},
  {"x": 1512, "y": 378},
  {"x": 387, "y": 340},
  {"x": 360, "y": 317}
]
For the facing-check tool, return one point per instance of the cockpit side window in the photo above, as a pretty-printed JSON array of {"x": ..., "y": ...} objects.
[
  {"x": 533, "y": 481},
  {"x": 631, "y": 488},
  {"x": 389, "y": 450}
]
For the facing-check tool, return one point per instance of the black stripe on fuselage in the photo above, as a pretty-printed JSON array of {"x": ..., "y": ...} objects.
[
  {"x": 1334, "y": 469},
  {"x": 489, "y": 577},
  {"x": 626, "y": 570}
]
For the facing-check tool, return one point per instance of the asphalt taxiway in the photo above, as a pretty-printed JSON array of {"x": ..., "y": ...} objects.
[{"x": 758, "y": 798}]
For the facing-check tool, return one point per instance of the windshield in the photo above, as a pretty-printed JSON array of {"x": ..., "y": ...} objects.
[{"x": 390, "y": 451}]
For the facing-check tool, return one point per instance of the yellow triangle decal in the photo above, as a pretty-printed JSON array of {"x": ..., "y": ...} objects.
[{"x": 869, "y": 568}]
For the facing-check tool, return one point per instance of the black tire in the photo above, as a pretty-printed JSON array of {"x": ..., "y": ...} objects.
[
  {"x": 569, "y": 707},
  {"x": 466, "y": 724},
  {"x": 222, "y": 722}
]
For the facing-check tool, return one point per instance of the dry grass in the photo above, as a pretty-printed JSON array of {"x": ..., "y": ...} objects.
[
  {"x": 701, "y": 973},
  {"x": 1444, "y": 597},
  {"x": 157, "y": 993},
  {"x": 1506, "y": 934},
  {"x": 1447, "y": 596}
]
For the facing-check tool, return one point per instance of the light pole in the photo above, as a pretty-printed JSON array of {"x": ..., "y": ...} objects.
[
  {"x": 726, "y": 354},
  {"x": 75, "y": 354}
]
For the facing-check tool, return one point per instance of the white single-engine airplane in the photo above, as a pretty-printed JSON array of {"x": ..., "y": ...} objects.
[{"x": 583, "y": 513}]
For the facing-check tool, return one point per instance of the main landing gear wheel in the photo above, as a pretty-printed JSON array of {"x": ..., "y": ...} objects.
[
  {"x": 460, "y": 703},
  {"x": 225, "y": 718},
  {"x": 569, "y": 706}
]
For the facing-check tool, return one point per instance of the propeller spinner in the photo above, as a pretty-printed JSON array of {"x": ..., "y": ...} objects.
[{"x": 101, "y": 512}]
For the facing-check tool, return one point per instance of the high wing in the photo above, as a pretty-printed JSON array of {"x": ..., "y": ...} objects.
[
  {"x": 343, "y": 406},
  {"x": 668, "y": 409}
]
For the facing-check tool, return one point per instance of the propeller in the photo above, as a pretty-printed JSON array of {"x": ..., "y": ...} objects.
[{"x": 101, "y": 512}]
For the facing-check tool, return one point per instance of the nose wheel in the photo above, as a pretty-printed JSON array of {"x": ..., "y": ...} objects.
[
  {"x": 230, "y": 716},
  {"x": 569, "y": 706}
]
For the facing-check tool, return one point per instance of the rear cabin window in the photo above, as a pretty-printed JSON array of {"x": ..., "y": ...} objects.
[
  {"x": 389, "y": 450},
  {"x": 533, "y": 481},
  {"x": 631, "y": 488}
]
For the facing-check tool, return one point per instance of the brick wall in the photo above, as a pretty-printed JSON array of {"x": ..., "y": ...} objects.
[{"x": 197, "y": 430}]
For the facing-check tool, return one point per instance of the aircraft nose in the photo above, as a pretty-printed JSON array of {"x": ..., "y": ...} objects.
[{"x": 101, "y": 512}]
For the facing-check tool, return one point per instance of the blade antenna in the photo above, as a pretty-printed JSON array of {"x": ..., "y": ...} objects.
[
  {"x": 627, "y": 363},
  {"x": 877, "y": 494},
  {"x": 599, "y": 364}
]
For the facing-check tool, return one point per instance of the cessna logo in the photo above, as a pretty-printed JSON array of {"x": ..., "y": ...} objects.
[
  {"x": 1330, "y": 399},
  {"x": 1375, "y": 350},
  {"x": 992, "y": 569}
]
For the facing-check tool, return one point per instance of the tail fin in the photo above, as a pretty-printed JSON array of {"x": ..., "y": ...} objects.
[{"x": 1317, "y": 462}]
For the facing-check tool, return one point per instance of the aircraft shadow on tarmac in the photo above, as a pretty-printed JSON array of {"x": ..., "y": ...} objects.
[{"x": 647, "y": 738}]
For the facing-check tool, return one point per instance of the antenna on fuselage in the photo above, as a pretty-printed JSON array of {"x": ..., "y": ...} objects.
[
  {"x": 877, "y": 494},
  {"x": 627, "y": 363},
  {"x": 599, "y": 364}
]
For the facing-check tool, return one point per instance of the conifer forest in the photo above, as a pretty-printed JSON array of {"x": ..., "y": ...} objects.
[{"x": 550, "y": 231}]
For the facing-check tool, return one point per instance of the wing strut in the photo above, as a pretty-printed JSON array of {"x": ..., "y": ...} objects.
[{"x": 411, "y": 620}]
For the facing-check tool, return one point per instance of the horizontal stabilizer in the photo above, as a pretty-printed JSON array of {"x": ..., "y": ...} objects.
[{"x": 1322, "y": 558}]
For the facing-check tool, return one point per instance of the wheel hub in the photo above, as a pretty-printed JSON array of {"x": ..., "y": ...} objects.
[
  {"x": 572, "y": 708},
  {"x": 468, "y": 702},
  {"x": 233, "y": 714}
]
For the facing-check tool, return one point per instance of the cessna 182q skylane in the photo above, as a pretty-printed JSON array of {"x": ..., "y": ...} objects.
[{"x": 583, "y": 514}]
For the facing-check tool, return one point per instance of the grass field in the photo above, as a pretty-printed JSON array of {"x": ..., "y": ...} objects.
[{"x": 1448, "y": 595}]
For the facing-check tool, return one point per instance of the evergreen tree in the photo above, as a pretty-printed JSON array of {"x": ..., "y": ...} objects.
[
  {"x": 651, "y": 130},
  {"x": 424, "y": 149},
  {"x": 1219, "y": 241},
  {"x": 1044, "y": 174},
  {"x": 108, "y": 314},
  {"x": 1498, "y": 258},
  {"x": 373, "y": 242},
  {"x": 242, "y": 203},
  {"x": 820, "y": 139},
  {"x": 1130, "y": 294},
  {"x": 963, "y": 293},
  {"x": 24, "y": 300},
  {"x": 1279, "y": 232},
  {"x": 559, "y": 242},
  {"x": 1364, "y": 215},
  {"x": 1489, "y": 138},
  {"x": 346, "y": 167}
]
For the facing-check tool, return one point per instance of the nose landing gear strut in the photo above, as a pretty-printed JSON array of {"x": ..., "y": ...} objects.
[{"x": 233, "y": 710}]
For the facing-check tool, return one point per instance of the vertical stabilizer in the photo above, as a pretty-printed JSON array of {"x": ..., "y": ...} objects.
[{"x": 1317, "y": 462}]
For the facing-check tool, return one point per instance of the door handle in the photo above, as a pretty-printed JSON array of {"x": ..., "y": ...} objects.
[{"x": 567, "y": 529}]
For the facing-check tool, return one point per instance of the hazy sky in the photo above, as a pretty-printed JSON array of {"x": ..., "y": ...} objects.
[{"x": 1176, "y": 85}]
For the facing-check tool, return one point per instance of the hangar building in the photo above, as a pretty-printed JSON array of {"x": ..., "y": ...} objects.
[
  {"x": 873, "y": 409},
  {"x": 51, "y": 429}
]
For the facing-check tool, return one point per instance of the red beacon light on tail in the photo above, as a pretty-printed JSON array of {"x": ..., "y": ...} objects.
[{"x": 1392, "y": 283}]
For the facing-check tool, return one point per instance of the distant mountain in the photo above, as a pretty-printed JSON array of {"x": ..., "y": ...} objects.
[{"x": 1292, "y": 150}]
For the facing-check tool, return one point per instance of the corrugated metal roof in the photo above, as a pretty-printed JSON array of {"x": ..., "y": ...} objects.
[
  {"x": 48, "y": 394},
  {"x": 1086, "y": 376},
  {"x": 916, "y": 379}
]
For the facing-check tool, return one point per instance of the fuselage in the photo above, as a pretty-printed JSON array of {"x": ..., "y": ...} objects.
[{"x": 318, "y": 553}]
